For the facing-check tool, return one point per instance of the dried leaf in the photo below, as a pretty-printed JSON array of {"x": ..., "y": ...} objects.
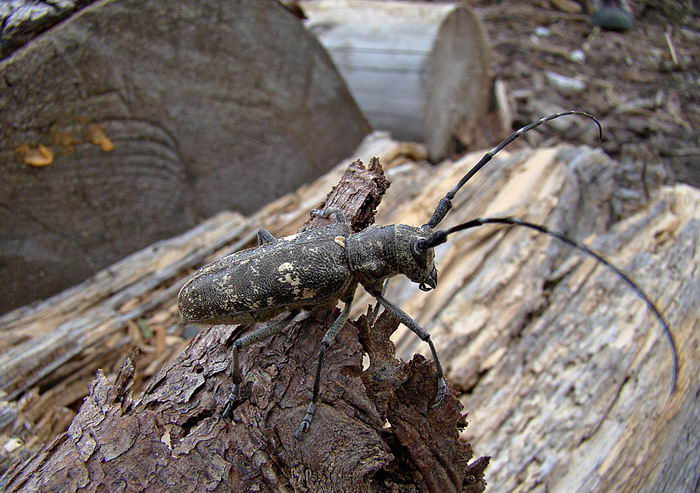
[
  {"x": 96, "y": 135},
  {"x": 35, "y": 156}
]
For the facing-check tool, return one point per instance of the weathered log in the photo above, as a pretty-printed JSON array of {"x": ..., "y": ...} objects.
[
  {"x": 421, "y": 71},
  {"x": 97, "y": 315},
  {"x": 556, "y": 361},
  {"x": 565, "y": 373},
  {"x": 131, "y": 120}
]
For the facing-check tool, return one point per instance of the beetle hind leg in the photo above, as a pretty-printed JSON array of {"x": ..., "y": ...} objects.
[{"x": 235, "y": 369}]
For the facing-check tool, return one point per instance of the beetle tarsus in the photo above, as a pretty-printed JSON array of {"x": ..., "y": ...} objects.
[
  {"x": 230, "y": 403},
  {"x": 442, "y": 389},
  {"x": 306, "y": 422}
]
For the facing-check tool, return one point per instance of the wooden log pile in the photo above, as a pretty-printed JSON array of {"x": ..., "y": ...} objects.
[{"x": 563, "y": 372}]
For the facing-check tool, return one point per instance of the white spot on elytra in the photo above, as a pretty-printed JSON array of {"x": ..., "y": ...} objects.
[
  {"x": 285, "y": 266},
  {"x": 288, "y": 279}
]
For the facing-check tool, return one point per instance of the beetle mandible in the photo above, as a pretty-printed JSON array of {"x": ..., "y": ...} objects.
[{"x": 323, "y": 265}]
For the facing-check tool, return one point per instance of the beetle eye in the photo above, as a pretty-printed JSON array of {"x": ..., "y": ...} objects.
[{"x": 419, "y": 253}]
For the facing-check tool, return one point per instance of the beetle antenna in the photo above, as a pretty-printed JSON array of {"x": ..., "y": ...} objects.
[
  {"x": 439, "y": 237},
  {"x": 445, "y": 203}
]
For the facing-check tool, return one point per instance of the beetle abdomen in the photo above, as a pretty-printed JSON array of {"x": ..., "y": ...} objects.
[{"x": 255, "y": 285}]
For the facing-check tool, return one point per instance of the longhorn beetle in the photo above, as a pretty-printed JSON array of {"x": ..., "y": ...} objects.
[{"x": 324, "y": 265}]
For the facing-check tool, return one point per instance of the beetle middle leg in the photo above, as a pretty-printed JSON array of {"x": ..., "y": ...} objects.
[
  {"x": 235, "y": 370},
  {"x": 405, "y": 319},
  {"x": 265, "y": 237},
  {"x": 339, "y": 216},
  {"x": 325, "y": 344}
]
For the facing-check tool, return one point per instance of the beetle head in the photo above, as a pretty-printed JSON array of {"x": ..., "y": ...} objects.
[{"x": 418, "y": 264}]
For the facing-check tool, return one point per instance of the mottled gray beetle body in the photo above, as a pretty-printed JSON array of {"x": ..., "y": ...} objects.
[
  {"x": 308, "y": 269},
  {"x": 254, "y": 285}
]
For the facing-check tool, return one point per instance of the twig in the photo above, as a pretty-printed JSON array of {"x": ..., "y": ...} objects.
[
  {"x": 589, "y": 40},
  {"x": 505, "y": 110},
  {"x": 545, "y": 48},
  {"x": 669, "y": 43}
]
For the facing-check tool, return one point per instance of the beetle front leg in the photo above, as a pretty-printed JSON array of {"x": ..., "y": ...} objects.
[
  {"x": 325, "y": 344},
  {"x": 235, "y": 370},
  {"x": 405, "y": 319}
]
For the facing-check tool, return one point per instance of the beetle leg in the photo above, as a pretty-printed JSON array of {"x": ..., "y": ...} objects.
[
  {"x": 235, "y": 370},
  {"x": 339, "y": 216},
  {"x": 405, "y": 319},
  {"x": 265, "y": 237},
  {"x": 325, "y": 344}
]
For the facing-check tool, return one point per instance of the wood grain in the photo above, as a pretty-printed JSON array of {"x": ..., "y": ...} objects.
[
  {"x": 420, "y": 70},
  {"x": 172, "y": 431}
]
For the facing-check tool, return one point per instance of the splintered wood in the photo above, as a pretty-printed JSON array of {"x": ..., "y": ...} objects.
[{"x": 563, "y": 371}]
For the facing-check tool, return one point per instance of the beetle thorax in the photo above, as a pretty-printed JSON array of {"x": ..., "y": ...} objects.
[
  {"x": 372, "y": 253},
  {"x": 379, "y": 252}
]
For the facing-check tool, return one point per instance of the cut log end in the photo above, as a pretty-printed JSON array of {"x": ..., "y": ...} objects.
[{"x": 420, "y": 70}]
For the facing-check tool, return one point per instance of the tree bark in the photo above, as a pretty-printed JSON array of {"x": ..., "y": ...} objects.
[{"x": 565, "y": 373}]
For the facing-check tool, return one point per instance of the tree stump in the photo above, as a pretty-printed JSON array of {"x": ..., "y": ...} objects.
[{"x": 130, "y": 121}]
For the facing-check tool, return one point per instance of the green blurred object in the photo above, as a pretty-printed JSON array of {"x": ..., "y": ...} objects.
[{"x": 613, "y": 17}]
